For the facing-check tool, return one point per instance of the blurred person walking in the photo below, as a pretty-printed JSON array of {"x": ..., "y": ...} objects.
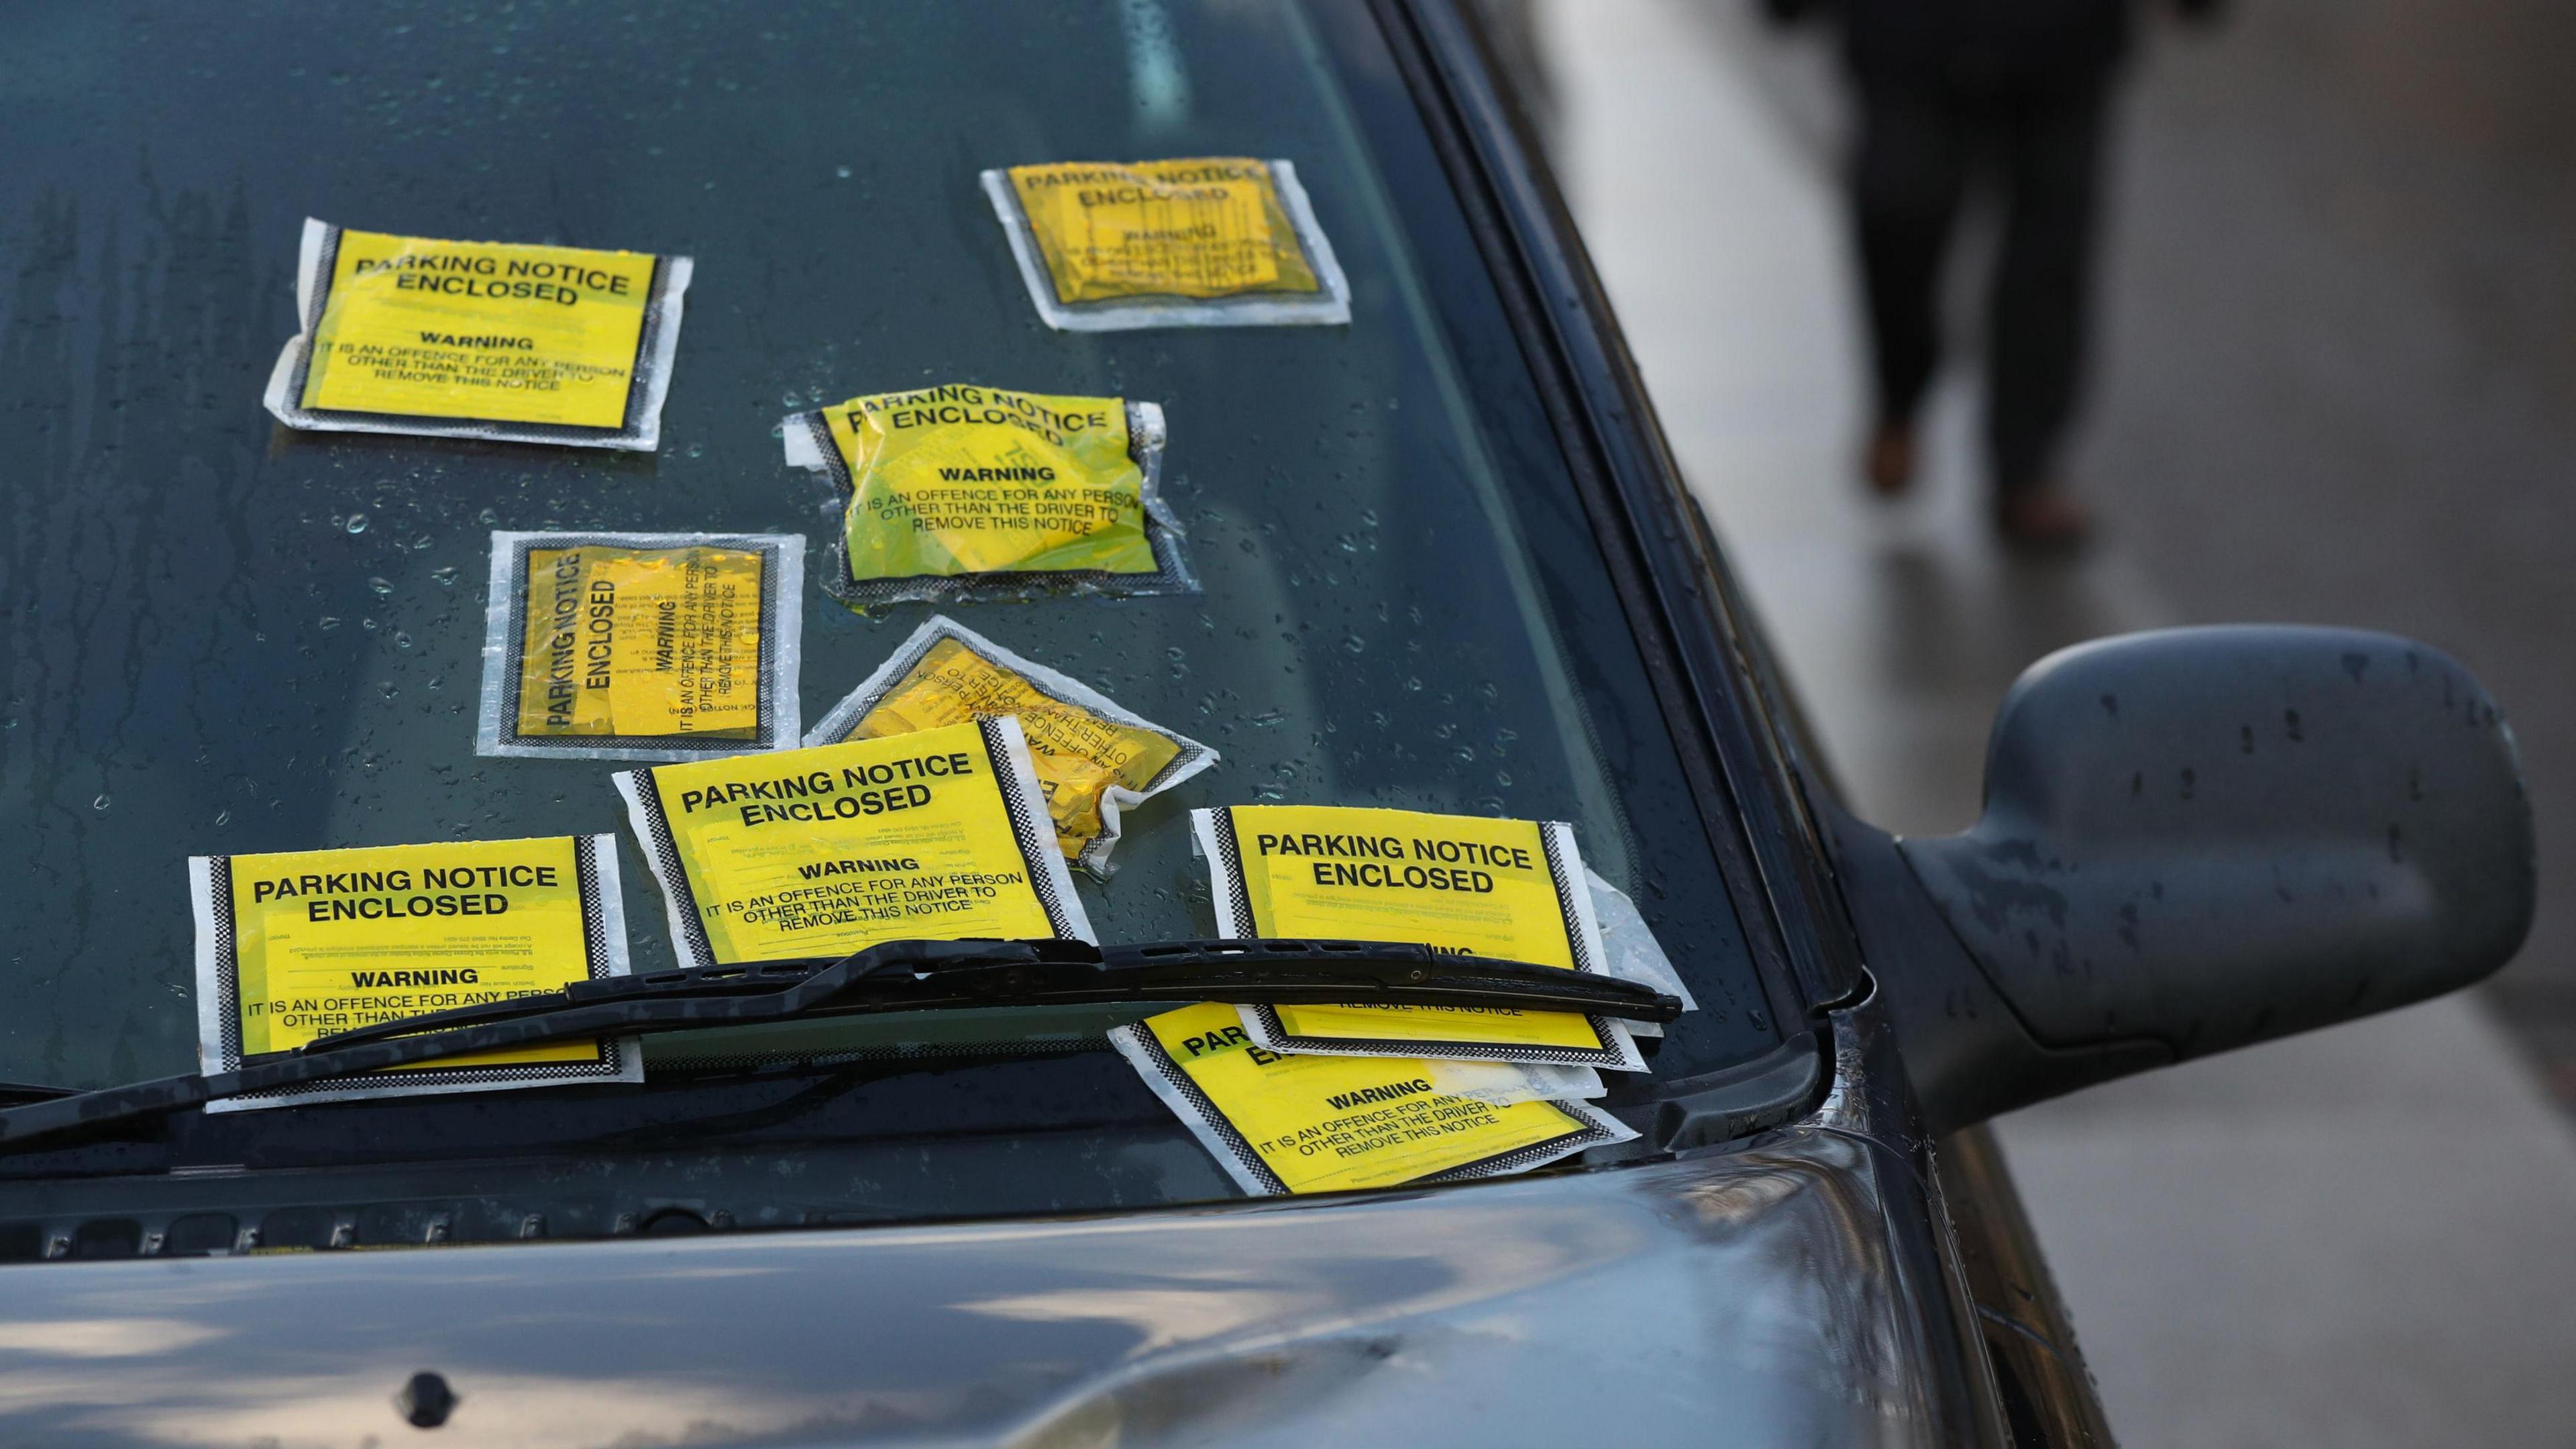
[{"x": 1946, "y": 88}]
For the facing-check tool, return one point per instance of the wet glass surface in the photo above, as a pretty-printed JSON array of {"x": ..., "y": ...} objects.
[{"x": 225, "y": 637}]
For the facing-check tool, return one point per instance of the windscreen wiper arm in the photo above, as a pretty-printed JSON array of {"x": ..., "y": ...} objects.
[{"x": 892, "y": 977}]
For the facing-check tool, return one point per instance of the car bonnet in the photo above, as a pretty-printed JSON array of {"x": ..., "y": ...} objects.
[{"x": 1781, "y": 1293}]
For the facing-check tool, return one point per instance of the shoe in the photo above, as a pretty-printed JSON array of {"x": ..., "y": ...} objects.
[
  {"x": 1888, "y": 464},
  {"x": 2042, "y": 520}
]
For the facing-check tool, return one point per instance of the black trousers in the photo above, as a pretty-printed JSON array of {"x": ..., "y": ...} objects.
[{"x": 1920, "y": 144}]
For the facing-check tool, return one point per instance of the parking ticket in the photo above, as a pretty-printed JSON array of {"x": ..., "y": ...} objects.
[
  {"x": 1203, "y": 227},
  {"x": 1200, "y": 241},
  {"x": 542, "y": 344},
  {"x": 969, "y": 492},
  {"x": 1094, "y": 760},
  {"x": 938, "y": 835},
  {"x": 641, "y": 646},
  {"x": 1469, "y": 885},
  {"x": 1298, "y": 1124},
  {"x": 298, "y": 945}
]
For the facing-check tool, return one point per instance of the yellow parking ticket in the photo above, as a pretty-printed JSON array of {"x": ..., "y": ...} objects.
[
  {"x": 938, "y": 835},
  {"x": 1463, "y": 884},
  {"x": 641, "y": 646},
  {"x": 1299, "y": 1124},
  {"x": 491, "y": 339},
  {"x": 299, "y": 945},
  {"x": 1207, "y": 226},
  {"x": 1187, "y": 241},
  {"x": 1094, "y": 760},
  {"x": 965, "y": 491}
]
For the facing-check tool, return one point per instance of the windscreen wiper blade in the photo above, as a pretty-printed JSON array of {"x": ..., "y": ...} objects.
[
  {"x": 894, "y": 976},
  {"x": 30, "y": 1092}
]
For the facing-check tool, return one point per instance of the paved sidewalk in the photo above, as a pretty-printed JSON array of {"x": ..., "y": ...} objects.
[{"x": 2363, "y": 1237}]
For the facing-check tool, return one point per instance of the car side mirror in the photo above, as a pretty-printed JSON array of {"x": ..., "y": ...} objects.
[{"x": 2193, "y": 840}]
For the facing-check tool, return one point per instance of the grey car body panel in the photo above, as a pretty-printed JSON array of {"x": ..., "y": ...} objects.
[{"x": 1767, "y": 1294}]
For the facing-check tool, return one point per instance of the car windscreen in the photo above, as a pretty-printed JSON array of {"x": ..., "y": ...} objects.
[{"x": 225, "y": 636}]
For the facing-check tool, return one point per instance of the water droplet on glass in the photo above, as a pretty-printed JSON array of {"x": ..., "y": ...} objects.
[
  {"x": 99, "y": 804},
  {"x": 366, "y": 623},
  {"x": 487, "y": 516},
  {"x": 403, "y": 641},
  {"x": 357, "y": 523},
  {"x": 1353, "y": 643},
  {"x": 382, "y": 586},
  {"x": 841, "y": 171},
  {"x": 223, "y": 817},
  {"x": 330, "y": 621},
  {"x": 444, "y": 576},
  {"x": 388, "y": 689},
  {"x": 697, "y": 450}
]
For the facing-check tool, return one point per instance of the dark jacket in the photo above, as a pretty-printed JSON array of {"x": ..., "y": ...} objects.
[{"x": 1977, "y": 44}]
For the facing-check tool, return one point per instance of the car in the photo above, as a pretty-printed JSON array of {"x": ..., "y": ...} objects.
[{"x": 1442, "y": 561}]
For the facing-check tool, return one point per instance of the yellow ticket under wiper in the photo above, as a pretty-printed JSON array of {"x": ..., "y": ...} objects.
[
  {"x": 937, "y": 835},
  {"x": 1283, "y": 1124},
  {"x": 1460, "y": 884},
  {"x": 299, "y": 945}
]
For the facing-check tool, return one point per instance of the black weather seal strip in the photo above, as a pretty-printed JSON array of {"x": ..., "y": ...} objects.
[{"x": 895, "y": 976}]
